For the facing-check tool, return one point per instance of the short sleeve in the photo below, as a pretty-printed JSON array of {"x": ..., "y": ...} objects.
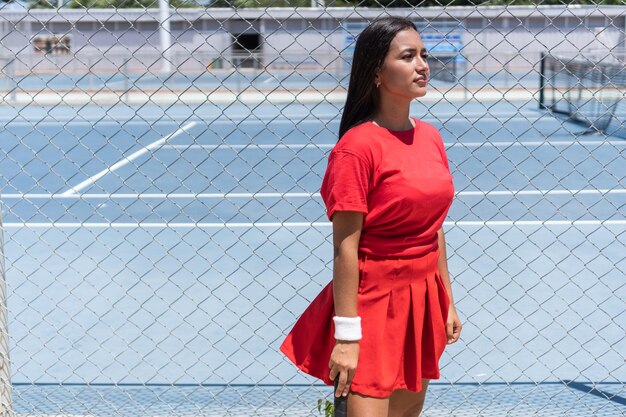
[{"x": 346, "y": 183}]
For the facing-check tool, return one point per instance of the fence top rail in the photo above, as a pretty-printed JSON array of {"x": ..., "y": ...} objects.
[{"x": 296, "y": 13}]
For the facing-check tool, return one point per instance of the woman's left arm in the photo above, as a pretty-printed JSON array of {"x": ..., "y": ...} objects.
[{"x": 453, "y": 324}]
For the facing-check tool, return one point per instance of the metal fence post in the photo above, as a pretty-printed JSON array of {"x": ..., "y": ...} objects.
[
  {"x": 5, "y": 375},
  {"x": 542, "y": 69}
]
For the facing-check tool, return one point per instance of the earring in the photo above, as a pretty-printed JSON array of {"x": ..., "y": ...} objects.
[{"x": 377, "y": 85}]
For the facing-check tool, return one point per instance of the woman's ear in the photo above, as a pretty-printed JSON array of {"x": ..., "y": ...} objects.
[{"x": 376, "y": 78}]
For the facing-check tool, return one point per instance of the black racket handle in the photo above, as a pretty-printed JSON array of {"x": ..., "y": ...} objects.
[{"x": 341, "y": 402}]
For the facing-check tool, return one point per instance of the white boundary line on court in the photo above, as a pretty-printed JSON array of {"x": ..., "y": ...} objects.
[
  {"x": 147, "y": 225},
  {"x": 251, "y": 97},
  {"x": 113, "y": 196},
  {"x": 538, "y": 143},
  {"x": 446, "y": 144},
  {"x": 452, "y": 117},
  {"x": 127, "y": 159}
]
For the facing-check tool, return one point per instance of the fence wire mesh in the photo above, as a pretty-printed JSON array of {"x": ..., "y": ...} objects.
[{"x": 163, "y": 228}]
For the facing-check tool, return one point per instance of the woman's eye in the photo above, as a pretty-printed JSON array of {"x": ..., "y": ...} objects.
[
  {"x": 425, "y": 55},
  {"x": 407, "y": 56}
]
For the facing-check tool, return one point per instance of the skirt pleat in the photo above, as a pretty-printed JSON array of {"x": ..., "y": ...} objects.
[{"x": 403, "y": 305}]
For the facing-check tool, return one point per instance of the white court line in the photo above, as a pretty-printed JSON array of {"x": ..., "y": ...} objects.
[
  {"x": 127, "y": 160},
  {"x": 138, "y": 196},
  {"x": 252, "y": 145},
  {"x": 130, "y": 225},
  {"x": 104, "y": 121},
  {"x": 330, "y": 115},
  {"x": 537, "y": 143},
  {"x": 446, "y": 144},
  {"x": 280, "y": 119}
]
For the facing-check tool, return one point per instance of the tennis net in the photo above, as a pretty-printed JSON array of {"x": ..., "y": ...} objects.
[{"x": 585, "y": 88}]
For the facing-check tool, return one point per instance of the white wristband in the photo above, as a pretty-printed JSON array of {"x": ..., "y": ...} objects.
[{"x": 347, "y": 328}]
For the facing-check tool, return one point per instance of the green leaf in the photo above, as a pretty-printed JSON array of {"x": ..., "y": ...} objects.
[{"x": 330, "y": 409}]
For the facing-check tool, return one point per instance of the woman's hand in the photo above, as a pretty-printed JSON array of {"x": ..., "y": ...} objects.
[
  {"x": 343, "y": 361},
  {"x": 453, "y": 326}
]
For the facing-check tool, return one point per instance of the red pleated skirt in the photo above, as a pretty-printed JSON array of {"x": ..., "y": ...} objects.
[{"x": 403, "y": 305}]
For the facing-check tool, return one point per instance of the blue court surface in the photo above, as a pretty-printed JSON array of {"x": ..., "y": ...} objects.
[{"x": 157, "y": 256}]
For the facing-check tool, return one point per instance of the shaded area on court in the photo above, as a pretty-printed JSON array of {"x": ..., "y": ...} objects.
[{"x": 489, "y": 399}]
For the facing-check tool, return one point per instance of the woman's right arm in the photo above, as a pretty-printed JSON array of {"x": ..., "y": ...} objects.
[{"x": 346, "y": 234}]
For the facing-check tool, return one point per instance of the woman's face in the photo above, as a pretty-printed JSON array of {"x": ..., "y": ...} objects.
[{"x": 404, "y": 71}]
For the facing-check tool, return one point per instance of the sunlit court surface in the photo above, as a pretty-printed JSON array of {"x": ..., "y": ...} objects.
[
  {"x": 169, "y": 248},
  {"x": 161, "y": 234}
]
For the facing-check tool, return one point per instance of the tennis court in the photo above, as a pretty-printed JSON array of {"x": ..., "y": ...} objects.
[
  {"x": 161, "y": 233},
  {"x": 165, "y": 270}
]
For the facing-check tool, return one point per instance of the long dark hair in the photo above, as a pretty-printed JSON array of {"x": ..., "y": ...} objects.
[{"x": 370, "y": 50}]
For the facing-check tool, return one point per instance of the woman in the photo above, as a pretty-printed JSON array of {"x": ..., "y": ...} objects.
[{"x": 382, "y": 323}]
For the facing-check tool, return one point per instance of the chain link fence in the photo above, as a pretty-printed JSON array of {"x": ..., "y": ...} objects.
[{"x": 162, "y": 227}]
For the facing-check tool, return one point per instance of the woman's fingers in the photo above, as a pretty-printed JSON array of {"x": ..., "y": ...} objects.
[
  {"x": 349, "y": 376},
  {"x": 333, "y": 373},
  {"x": 345, "y": 377},
  {"x": 453, "y": 328},
  {"x": 341, "y": 387},
  {"x": 450, "y": 331},
  {"x": 457, "y": 330}
]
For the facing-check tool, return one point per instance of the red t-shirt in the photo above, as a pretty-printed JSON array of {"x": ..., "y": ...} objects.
[{"x": 401, "y": 180}]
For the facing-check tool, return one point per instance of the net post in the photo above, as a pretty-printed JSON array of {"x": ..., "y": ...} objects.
[
  {"x": 542, "y": 73},
  {"x": 5, "y": 376}
]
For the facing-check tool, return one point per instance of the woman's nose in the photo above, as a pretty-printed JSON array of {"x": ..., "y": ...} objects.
[{"x": 422, "y": 65}]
